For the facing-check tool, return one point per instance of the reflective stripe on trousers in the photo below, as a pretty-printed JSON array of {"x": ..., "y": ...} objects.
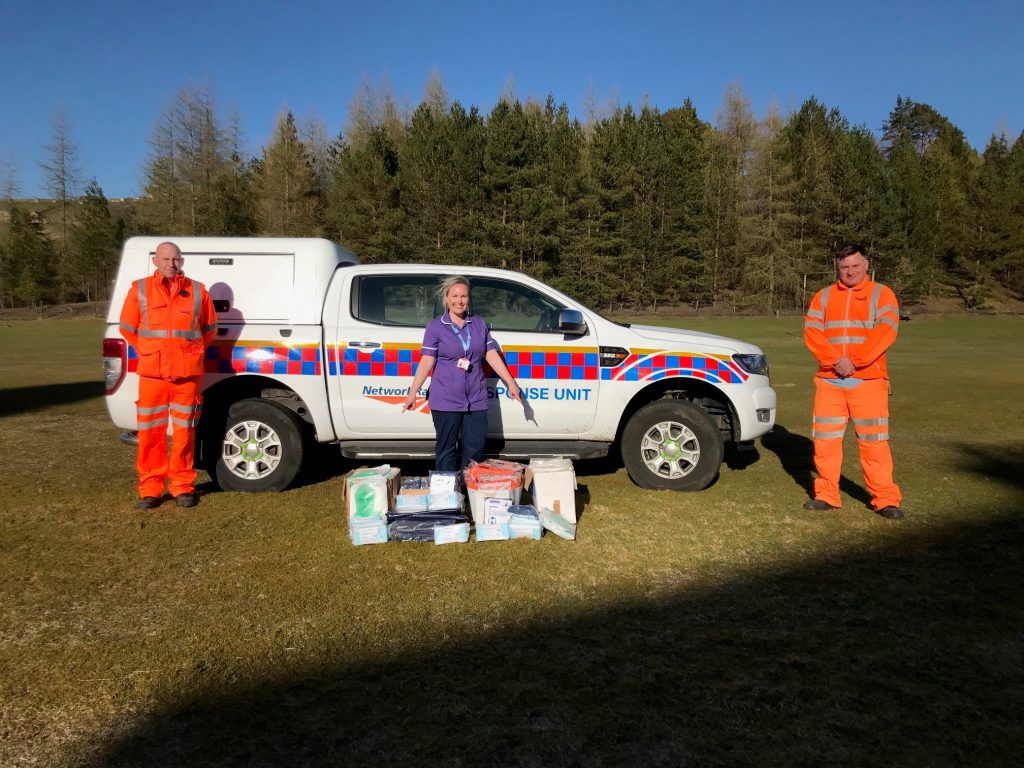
[
  {"x": 868, "y": 405},
  {"x": 160, "y": 402}
]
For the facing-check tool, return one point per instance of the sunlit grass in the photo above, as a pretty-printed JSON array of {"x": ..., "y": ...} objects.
[{"x": 720, "y": 628}]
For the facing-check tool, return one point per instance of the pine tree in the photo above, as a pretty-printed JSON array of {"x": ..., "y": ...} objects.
[
  {"x": 29, "y": 261},
  {"x": 286, "y": 204},
  {"x": 768, "y": 228},
  {"x": 62, "y": 180},
  {"x": 685, "y": 150},
  {"x": 94, "y": 246}
]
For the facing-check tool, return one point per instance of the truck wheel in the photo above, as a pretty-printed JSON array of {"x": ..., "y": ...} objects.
[
  {"x": 672, "y": 445},
  {"x": 262, "y": 447}
]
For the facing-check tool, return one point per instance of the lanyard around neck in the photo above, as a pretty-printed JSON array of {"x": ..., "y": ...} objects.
[{"x": 463, "y": 341}]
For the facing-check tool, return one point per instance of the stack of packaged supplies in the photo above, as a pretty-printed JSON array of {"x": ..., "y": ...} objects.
[
  {"x": 368, "y": 495},
  {"x": 493, "y": 486},
  {"x": 382, "y": 505},
  {"x": 429, "y": 509}
]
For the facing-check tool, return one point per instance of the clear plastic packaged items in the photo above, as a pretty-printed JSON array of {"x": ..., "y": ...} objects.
[
  {"x": 524, "y": 522},
  {"x": 492, "y": 532},
  {"x": 455, "y": 533},
  {"x": 369, "y": 491},
  {"x": 558, "y": 525},
  {"x": 419, "y": 526},
  {"x": 367, "y": 530}
]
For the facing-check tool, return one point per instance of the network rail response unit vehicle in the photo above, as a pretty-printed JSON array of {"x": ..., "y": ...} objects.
[{"x": 313, "y": 346}]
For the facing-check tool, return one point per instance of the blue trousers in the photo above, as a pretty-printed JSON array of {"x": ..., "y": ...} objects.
[{"x": 449, "y": 425}]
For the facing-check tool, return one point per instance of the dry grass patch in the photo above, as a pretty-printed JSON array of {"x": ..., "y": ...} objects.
[{"x": 722, "y": 628}]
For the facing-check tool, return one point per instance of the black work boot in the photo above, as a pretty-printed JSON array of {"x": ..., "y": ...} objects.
[{"x": 817, "y": 505}]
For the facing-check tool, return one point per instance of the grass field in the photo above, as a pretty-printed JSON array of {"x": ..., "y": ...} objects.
[{"x": 725, "y": 628}]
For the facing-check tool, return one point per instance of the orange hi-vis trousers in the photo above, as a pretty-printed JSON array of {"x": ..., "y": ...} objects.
[
  {"x": 179, "y": 402},
  {"x": 868, "y": 405}
]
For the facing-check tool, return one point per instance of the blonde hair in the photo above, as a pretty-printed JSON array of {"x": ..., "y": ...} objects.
[{"x": 447, "y": 284}]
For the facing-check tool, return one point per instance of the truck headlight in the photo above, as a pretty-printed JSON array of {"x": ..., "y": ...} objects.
[{"x": 753, "y": 363}]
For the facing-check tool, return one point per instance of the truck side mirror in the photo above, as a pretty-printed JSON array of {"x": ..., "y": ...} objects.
[{"x": 570, "y": 321}]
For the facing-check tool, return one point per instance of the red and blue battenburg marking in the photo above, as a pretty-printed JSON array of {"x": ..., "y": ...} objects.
[
  {"x": 400, "y": 360},
  {"x": 578, "y": 364},
  {"x": 655, "y": 365},
  {"x": 268, "y": 357}
]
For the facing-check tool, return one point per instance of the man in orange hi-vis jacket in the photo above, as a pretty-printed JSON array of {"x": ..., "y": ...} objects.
[
  {"x": 848, "y": 328},
  {"x": 170, "y": 320}
]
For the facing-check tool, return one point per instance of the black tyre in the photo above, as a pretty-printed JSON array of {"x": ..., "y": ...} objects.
[
  {"x": 261, "y": 449},
  {"x": 672, "y": 445}
]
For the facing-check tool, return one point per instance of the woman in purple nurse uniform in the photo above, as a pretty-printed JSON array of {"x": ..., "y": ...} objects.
[{"x": 455, "y": 345}]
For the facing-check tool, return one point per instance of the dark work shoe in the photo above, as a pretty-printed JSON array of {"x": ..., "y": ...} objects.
[
  {"x": 186, "y": 500},
  {"x": 817, "y": 505},
  {"x": 148, "y": 502},
  {"x": 891, "y": 513}
]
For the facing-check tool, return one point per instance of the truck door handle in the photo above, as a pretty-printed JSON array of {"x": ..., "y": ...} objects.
[{"x": 364, "y": 344}]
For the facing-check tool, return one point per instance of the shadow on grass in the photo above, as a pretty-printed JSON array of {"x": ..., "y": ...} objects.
[
  {"x": 906, "y": 654},
  {"x": 796, "y": 453},
  {"x": 1004, "y": 464},
  {"x": 23, "y": 399}
]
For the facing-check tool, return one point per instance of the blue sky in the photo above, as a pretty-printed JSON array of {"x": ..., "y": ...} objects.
[{"x": 114, "y": 66}]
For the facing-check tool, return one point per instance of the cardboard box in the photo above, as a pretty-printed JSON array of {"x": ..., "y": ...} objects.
[
  {"x": 553, "y": 487},
  {"x": 369, "y": 492},
  {"x": 478, "y": 500}
]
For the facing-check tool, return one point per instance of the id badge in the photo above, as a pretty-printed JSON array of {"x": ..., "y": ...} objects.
[{"x": 463, "y": 363}]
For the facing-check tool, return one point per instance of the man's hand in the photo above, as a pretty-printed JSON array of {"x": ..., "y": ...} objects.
[
  {"x": 410, "y": 400},
  {"x": 844, "y": 367}
]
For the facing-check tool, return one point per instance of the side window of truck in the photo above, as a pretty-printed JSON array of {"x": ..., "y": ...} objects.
[
  {"x": 509, "y": 306},
  {"x": 395, "y": 299}
]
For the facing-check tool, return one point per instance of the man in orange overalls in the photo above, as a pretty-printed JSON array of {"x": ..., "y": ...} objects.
[
  {"x": 848, "y": 328},
  {"x": 170, "y": 320}
]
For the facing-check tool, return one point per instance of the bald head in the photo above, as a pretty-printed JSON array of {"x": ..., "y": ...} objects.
[{"x": 168, "y": 260}]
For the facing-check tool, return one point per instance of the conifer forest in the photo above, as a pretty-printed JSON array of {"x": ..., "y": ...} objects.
[{"x": 627, "y": 208}]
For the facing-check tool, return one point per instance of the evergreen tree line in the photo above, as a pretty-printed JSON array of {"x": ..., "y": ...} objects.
[{"x": 632, "y": 208}]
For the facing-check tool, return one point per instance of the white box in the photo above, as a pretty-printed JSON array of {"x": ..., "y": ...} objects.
[
  {"x": 554, "y": 489},
  {"x": 497, "y": 532},
  {"x": 478, "y": 500},
  {"x": 451, "y": 534}
]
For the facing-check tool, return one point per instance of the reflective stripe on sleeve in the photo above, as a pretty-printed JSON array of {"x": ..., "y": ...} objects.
[
  {"x": 889, "y": 321},
  {"x": 873, "y": 311},
  {"x": 814, "y": 324},
  {"x": 817, "y": 315}
]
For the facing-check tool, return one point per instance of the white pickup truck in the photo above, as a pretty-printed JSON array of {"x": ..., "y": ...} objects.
[{"x": 313, "y": 345}]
